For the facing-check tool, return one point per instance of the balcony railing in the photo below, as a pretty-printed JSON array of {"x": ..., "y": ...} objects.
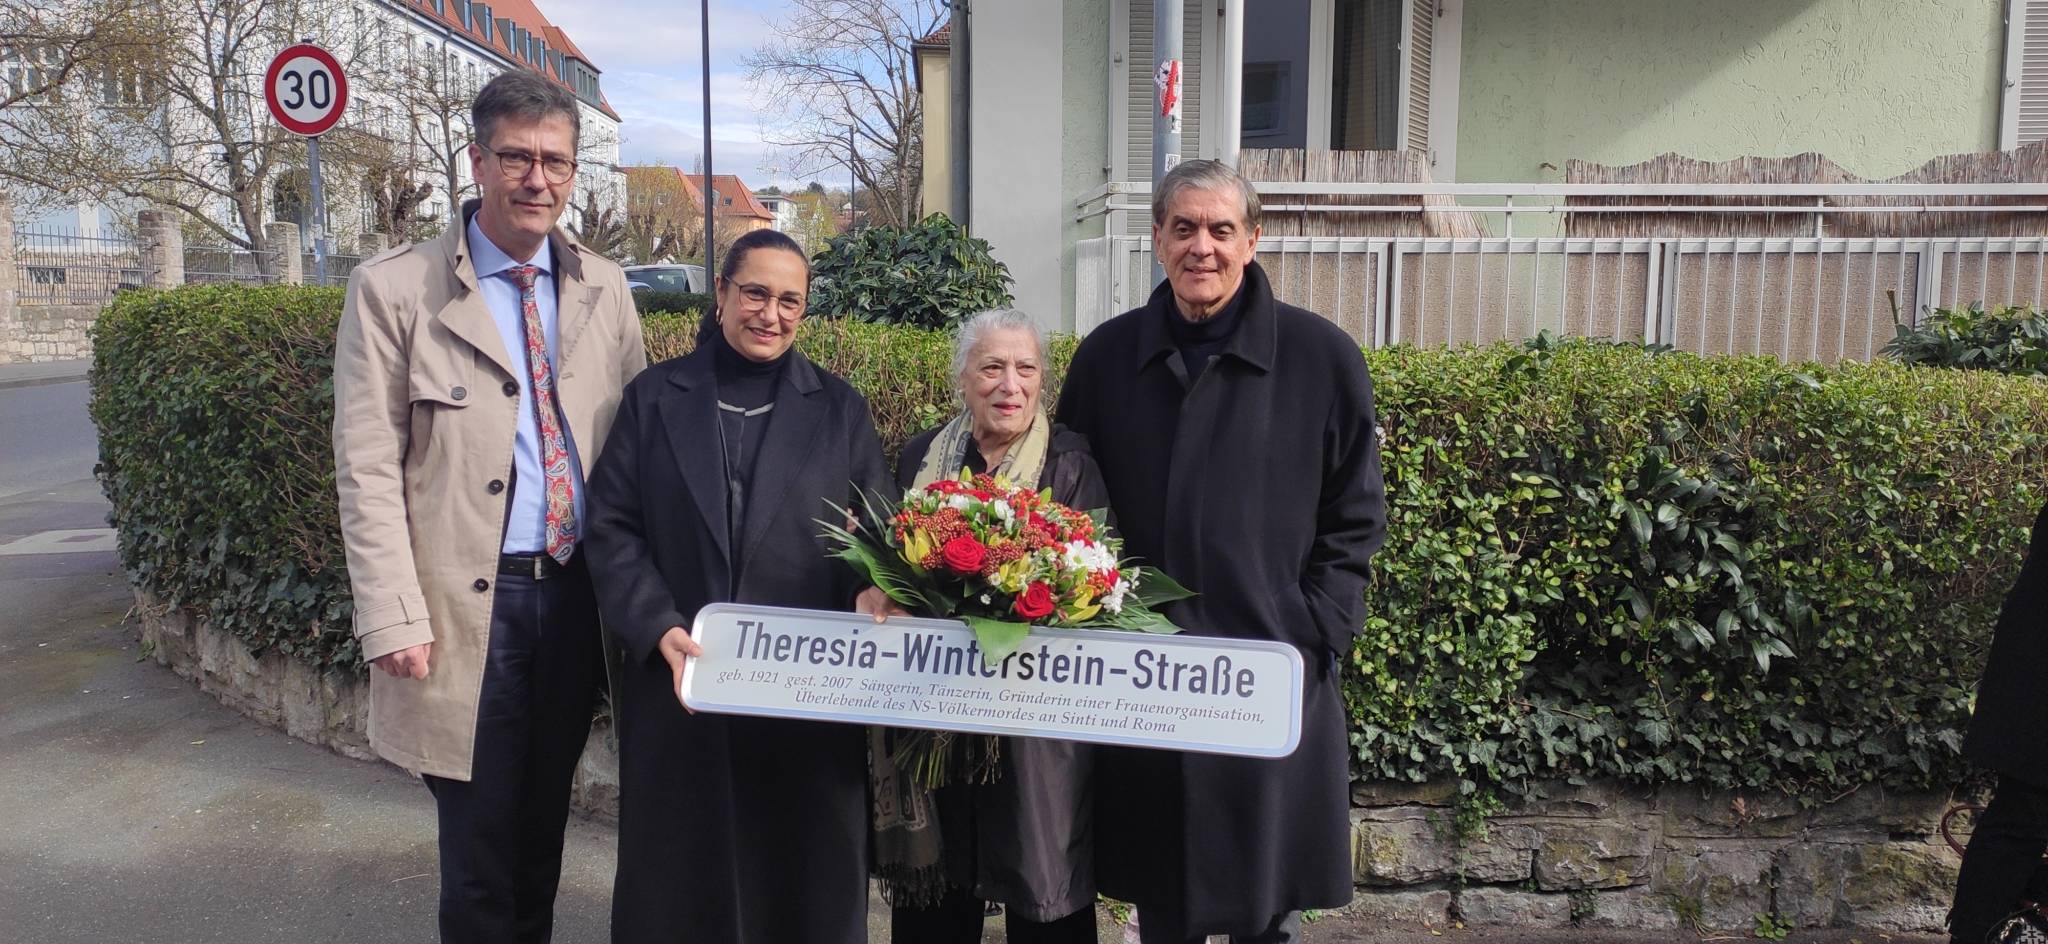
[{"x": 1707, "y": 268}]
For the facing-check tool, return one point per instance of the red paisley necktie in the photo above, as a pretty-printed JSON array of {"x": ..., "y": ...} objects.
[{"x": 554, "y": 447}]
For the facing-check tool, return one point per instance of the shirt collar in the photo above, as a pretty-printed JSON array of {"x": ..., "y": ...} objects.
[{"x": 489, "y": 260}]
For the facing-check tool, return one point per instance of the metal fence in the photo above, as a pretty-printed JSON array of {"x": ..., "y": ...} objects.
[
  {"x": 338, "y": 268},
  {"x": 58, "y": 266},
  {"x": 226, "y": 264},
  {"x": 1813, "y": 297},
  {"x": 1818, "y": 299}
]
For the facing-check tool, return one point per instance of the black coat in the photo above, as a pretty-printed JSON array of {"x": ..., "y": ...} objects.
[
  {"x": 731, "y": 829},
  {"x": 2009, "y": 731},
  {"x": 1027, "y": 840},
  {"x": 1259, "y": 488}
]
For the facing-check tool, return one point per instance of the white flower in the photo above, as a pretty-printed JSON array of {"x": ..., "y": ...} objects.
[
  {"x": 1002, "y": 510},
  {"x": 960, "y": 502},
  {"x": 985, "y": 600},
  {"x": 1087, "y": 555},
  {"x": 1114, "y": 600}
]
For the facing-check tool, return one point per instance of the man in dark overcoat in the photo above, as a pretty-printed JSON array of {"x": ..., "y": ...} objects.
[
  {"x": 2009, "y": 734},
  {"x": 1237, "y": 439}
]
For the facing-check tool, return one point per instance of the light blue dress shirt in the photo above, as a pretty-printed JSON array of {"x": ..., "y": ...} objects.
[{"x": 526, "y": 527}]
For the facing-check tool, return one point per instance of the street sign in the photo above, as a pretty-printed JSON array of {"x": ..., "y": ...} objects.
[{"x": 305, "y": 89}]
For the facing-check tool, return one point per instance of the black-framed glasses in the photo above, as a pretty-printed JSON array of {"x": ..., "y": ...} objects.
[
  {"x": 757, "y": 297},
  {"x": 517, "y": 164}
]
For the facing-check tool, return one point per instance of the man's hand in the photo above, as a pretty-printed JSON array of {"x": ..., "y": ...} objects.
[
  {"x": 678, "y": 648},
  {"x": 407, "y": 663},
  {"x": 874, "y": 602}
]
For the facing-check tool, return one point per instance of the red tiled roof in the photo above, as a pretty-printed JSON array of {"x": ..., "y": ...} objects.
[
  {"x": 732, "y": 189},
  {"x": 526, "y": 16},
  {"x": 939, "y": 37},
  {"x": 728, "y": 186}
]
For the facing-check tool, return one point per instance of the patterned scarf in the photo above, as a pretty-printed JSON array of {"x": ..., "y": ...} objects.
[{"x": 908, "y": 854}]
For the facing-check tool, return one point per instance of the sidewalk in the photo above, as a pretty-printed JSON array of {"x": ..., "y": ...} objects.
[{"x": 48, "y": 372}]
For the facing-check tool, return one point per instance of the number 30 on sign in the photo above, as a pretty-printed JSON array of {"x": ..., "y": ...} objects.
[{"x": 305, "y": 90}]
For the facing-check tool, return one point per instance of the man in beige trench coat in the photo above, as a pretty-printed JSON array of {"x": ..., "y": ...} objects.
[{"x": 475, "y": 378}]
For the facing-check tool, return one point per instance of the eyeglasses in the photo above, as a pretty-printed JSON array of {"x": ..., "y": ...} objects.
[
  {"x": 756, "y": 297},
  {"x": 517, "y": 164}
]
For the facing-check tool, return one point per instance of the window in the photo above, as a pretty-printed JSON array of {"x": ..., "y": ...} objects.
[
  {"x": 1265, "y": 100},
  {"x": 462, "y": 12},
  {"x": 1275, "y": 107},
  {"x": 1365, "y": 100}
]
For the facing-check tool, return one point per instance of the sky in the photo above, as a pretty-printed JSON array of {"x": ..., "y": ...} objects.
[{"x": 649, "y": 54}]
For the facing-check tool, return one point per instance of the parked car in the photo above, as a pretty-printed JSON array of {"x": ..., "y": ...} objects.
[{"x": 666, "y": 278}]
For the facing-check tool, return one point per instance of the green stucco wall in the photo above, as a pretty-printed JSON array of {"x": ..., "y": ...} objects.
[{"x": 1879, "y": 86}]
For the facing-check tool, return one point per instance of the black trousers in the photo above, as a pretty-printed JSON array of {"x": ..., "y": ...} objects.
[
  {"x": 501, "y": 831},
  {"x": 957, "y": 920},
  {"x": 2003, "y": 861},
  {"x": 1163, "y": 927}
]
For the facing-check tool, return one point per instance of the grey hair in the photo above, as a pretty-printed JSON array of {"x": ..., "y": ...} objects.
[
  {"x": 976, "y": 329},
  {"x": 526, "y": 96},
  {"x": 1203, "y": 175}
]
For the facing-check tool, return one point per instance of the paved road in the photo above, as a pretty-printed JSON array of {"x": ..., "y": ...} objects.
[{"x": 133, "y": 807}]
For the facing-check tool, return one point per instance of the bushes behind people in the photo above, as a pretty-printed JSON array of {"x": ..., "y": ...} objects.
[{"x": 1601, "y": 560}]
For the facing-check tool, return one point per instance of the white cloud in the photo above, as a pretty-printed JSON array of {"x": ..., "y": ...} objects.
[{"x": 649, "y": 53}]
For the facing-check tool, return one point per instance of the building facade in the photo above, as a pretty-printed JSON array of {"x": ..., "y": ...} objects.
[{"x": 1481, "y": 90}]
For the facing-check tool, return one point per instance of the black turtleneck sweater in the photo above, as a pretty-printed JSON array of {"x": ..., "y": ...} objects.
[
  {"x": 1200, "y": 341},
  {"x": 746, "y": 401}
]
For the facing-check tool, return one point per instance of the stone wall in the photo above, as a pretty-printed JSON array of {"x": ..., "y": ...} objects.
[
  {"x": 37, "y": 333},
  {"x": 329, "y": 708},
  {"x": 1667, "y": 857},
  {"x": 1604, "y": 855}
]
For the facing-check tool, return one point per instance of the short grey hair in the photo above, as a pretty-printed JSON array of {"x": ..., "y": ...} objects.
[
  {"x": 975, "y": 330},
  {"x": 523, "y": 95},
  {"x": 1203, "y": 175}
]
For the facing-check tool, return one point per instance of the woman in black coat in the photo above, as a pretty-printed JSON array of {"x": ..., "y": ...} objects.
[
  {"x": 1026, "y": 839},
  {"x": 2009, "y": 734},
  {"x": 732, "y": 829}
]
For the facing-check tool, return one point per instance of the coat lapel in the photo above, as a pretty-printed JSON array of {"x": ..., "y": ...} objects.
[
  {"x": 785, "y": 449},
  {"x": 575, "y": 297},
  {"x": 465, "y": 315},
  {"x": 689, "y": 417}
]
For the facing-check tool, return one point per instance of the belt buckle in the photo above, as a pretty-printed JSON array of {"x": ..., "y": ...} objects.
[{"x": 540, "y": 566}]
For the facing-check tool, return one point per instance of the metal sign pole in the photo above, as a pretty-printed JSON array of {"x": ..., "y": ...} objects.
[
  {"x": 318, "y": 214},
  {"x": 1166, "y": 66},
  {"x": 710, "y": 192}
]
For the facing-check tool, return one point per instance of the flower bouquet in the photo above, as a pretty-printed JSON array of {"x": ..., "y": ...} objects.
[{"x": 1000, "y": 559}]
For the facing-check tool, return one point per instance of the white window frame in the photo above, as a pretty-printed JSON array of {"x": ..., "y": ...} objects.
[{"x": 1444, "y": 70}]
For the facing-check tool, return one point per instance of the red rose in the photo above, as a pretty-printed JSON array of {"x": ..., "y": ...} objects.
[
  {"x": 963, "y": 555},
  {"x": 1035, "y": 602}
]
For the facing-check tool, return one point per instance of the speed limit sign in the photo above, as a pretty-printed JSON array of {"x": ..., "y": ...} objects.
[{"x": 305, "y": 90}]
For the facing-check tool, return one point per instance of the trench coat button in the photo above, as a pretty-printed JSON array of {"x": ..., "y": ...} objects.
[
  {"x": 496, "y": 486},
  {"x": 459, "y": 392},
  {"x": 511, "y": 388},
  {"x": 480, "y": 585}
]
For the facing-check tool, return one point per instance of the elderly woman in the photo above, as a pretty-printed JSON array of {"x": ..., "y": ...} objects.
[
  {"x": 1026, "y": 839},
  {"x": 718, "y": 465}
]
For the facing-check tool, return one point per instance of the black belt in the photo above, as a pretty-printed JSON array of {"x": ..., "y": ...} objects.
[{"x": 539, "y": 566}]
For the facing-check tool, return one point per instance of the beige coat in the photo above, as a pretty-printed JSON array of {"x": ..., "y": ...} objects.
[{"x": 423, "y": 429}]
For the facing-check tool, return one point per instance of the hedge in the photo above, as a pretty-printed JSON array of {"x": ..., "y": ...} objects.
[{"x": 1601, "y": 560}]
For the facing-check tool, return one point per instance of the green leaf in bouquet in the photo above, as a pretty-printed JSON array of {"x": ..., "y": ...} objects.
[
  {"x": 1155, "y": 587},
  {"x": 998, "y": 638}
]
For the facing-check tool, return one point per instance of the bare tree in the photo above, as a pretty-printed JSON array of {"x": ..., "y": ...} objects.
[
  {"x": 661, "y": 214},
  {"x": 184, "y": 125},
  {"x": 48, "y": 47},
  {"x": 843, "y": 73}
]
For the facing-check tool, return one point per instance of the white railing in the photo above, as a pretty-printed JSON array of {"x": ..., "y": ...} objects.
[{"x": 1799, "y": 297}]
